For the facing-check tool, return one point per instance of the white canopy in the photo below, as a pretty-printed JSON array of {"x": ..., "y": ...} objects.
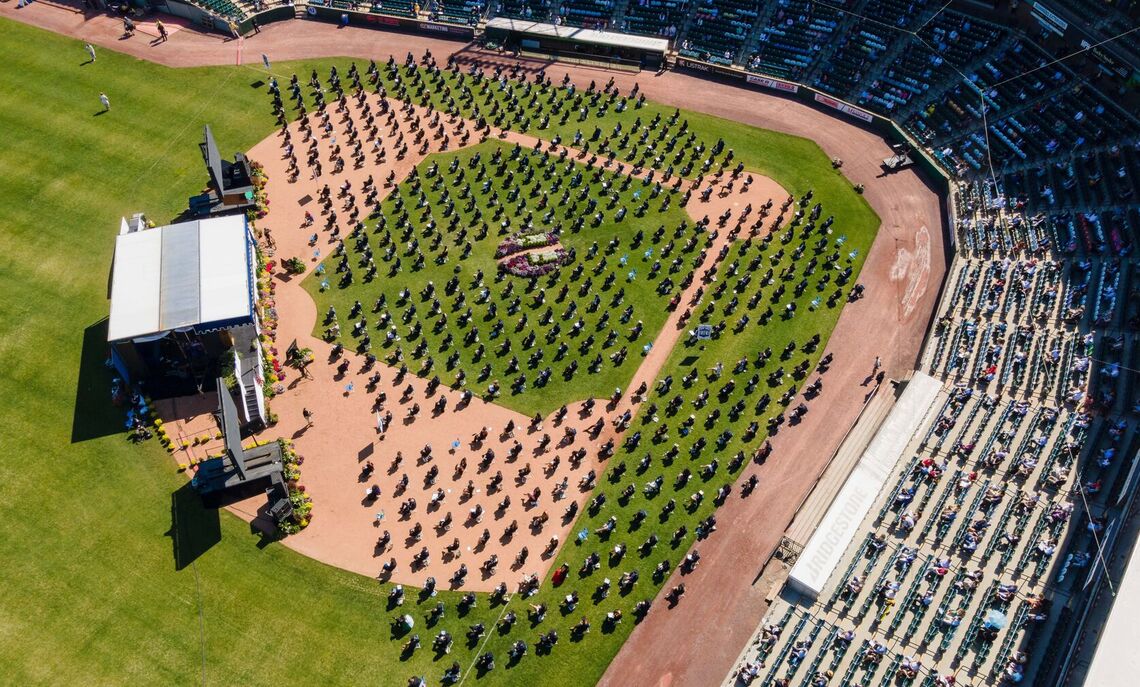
[
  {"x": 840, "y": 524},
  {"x": 182, "y": 275},
  {"x": 573, "y": 33}
]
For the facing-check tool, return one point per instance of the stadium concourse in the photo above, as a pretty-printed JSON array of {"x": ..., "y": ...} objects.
[{"x": 964, "y": 530}]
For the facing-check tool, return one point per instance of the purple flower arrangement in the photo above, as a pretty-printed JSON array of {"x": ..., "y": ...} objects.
[
  {"x": 525, "y": 241},
  {"x": 536, "y": 264}
]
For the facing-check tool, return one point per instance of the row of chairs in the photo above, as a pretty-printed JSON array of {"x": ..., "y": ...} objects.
[{"x": 224, "y": 8}]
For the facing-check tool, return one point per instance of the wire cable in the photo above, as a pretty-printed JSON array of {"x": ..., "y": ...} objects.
[
  {"x": 933, "y": 16},
  {"x": 1096, "y": 536},
  {"x": 1065, "y": 57}
]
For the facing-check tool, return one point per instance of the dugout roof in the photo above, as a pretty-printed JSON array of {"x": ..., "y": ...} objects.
[{"x": 579, "y": 35}]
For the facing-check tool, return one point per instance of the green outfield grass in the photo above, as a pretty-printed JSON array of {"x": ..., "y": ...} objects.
[{"x": 112, "y": 572}]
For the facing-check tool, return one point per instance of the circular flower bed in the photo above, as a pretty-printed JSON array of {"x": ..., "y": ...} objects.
[
  {"x": 537, "y": 264},
  {"x": 520, "y": 242}
]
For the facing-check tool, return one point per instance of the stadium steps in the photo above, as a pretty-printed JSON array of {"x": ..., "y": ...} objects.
[
  {"x": 888, "y": 58},
  {"x": 823, "y": 59},
  {"x": 754, "y": 37},
  {"x": 683, "y": 29},
  {"x": 248, "y": 386},
  {"x": 617, "y": 18},
  {"x": 758, "y": 26}
]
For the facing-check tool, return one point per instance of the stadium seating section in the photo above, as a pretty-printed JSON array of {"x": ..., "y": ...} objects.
[{"x": 990, "y": 522}]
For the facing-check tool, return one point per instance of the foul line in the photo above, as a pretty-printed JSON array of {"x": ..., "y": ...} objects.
[
  {"x": 178, "y": 137},
  {"x": 486, "y": 638},
  {"x": 201, "y": 621}
]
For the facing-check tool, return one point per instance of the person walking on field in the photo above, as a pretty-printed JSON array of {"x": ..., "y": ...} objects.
[
  {"x": 90, "y": 51},
  {"x": 308, "y": 414},
  {"x": 162, "y": 35},
  {"x": 106, "y": 101},
  {"x": 878, "y": 363}
]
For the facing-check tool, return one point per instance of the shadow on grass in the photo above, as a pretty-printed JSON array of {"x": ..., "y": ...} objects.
[
  {"x": 194, "y": 528},
  {"x": 186, "y": 215},
  {"x": 93, "y": 415}
]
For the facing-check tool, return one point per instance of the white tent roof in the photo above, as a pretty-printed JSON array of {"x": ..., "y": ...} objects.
[
  {"x": 181, "y": 275},
  {"x": 573, "y": 33},
  {"x": 840, "y": 524}
]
